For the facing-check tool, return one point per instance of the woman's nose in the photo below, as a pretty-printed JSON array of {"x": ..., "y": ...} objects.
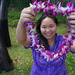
[{"x": 48, "y": 30}]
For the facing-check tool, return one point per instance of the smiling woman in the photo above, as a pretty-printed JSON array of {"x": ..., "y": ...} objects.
[
  {"x": 48, "y": 48},
  {"x": 48, "y": 30},
  {"x": 46, "y": 26}
]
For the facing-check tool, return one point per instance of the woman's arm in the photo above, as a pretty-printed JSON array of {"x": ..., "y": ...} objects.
[
  {"x": 21, "y": 35},
  {"x": 71, "y": 20},
  {"x": 27, "y": 15},
  {"x": 73, "y": 47}
]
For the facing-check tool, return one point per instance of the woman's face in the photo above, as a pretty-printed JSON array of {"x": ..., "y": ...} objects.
[{"x": 48, "y": 28}]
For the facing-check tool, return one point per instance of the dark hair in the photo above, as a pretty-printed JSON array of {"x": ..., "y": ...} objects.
[{"x": 41, "y": 38}]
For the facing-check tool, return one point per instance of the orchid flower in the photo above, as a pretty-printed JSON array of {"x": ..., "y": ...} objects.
[{"x": 67, "y": 39}]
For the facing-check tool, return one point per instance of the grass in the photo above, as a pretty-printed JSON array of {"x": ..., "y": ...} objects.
[
  {"x": 19, "y": 55},
  {"x": 13, "y": 16},
  {"x": 22, "y": 58}
]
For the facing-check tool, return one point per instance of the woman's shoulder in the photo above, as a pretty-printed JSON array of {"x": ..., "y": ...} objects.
[{"x": 59, "y": 35}]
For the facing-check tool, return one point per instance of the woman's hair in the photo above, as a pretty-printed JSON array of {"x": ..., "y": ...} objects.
[{"x": 41, "y": 38}]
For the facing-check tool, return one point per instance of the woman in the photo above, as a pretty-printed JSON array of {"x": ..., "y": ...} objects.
[{"x": 46, "y": 29}]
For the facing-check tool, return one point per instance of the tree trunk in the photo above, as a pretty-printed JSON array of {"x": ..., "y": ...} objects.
[
  {"x": 6, "y": 63},
  {"x": 4, "y": 22}
]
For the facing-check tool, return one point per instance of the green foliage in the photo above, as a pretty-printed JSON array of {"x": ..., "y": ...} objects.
[
  {"x": 61, "y": 19},
  {"x": 19, "y": 4},
  {"x": 22, "y": 58},
  {"x": 13, "y": 17}
]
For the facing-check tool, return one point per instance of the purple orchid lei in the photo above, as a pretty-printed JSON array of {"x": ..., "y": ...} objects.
[{"x": 55, "y": 9}]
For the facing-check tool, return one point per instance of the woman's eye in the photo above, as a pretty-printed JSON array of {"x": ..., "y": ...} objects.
[
  {"x": 50, "y": 26},
  {"x": 43, "y": 27}
]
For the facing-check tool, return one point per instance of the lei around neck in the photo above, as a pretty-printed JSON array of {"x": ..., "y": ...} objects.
[{"x": 55, "y": 9}]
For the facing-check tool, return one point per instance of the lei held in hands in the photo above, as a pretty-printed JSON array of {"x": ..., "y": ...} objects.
[{"x": 55, "y": 9}]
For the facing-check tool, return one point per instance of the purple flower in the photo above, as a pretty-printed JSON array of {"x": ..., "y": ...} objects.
[
  {"x": 41, "y": 10},
  {"x": 49, "y": 54},
  {"x": 69, "y": 31},
  {"x": 40, "y": 2},
  {"x": 55, "y": 13},
  {"x": 34, "y": 1},
  {"x": 46, "y": 11},
  {"x": 61, "y": 46},
  {"x": 43, "y": 50},
  {"x": 70, "y": 4},
  {"x": 69, "y": 26},
  {"x": 48, "y": 1},
  {"x": 37, "y": 41},
  {"x": 66, "y": 36},
  {"x": 73, "y": 38},
  {"x": 55, "y": 9},
  {"x": 35, "y": 45},
  {"x": 73, "y": 10},
  {"x": 41, "y": 55}
]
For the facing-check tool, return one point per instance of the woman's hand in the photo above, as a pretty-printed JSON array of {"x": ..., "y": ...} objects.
[
  {"x": 73, "y": 47},
  {"x": 27, "y": 15},
  {"x": 71, "y": 19}
]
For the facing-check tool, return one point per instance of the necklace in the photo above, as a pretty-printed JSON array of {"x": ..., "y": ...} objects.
[{"x": 67, "y": 39}]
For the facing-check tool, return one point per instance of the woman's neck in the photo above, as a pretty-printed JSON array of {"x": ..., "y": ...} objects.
[{"x": 51, "y": 42}]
